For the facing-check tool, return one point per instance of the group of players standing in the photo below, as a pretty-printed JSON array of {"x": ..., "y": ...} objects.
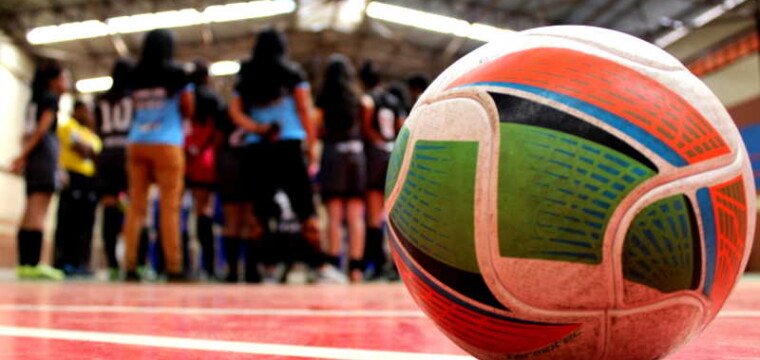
[{"x": 259, "y": 155}]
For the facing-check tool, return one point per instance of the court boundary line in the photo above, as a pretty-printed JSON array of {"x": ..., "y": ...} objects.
[
  {"x": 295, "y": 312},
  {"x": 253, "y": 348},
  {"x": 285, "y": 312}
]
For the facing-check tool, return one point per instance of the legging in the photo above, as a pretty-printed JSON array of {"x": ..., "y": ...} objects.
[{"x": 164, "y": 164}]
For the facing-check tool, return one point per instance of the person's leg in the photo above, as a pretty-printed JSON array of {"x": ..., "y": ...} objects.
[
  {"x": 374, "y": 253},
  {"x": 335, "y": 215},
  {"x": 356, "y": 233},
  {"x": 205, "y": 227},
  {"x": 30, "y": 232},
  {"x": 113, "y": 218},
  {"x": 90, "y": 206},
  {"x": 232, "y": 234},
  {"x": 139, "y": 171},
  {"x": 170, "y": 169},
  {"x": 62, "y": 236}
]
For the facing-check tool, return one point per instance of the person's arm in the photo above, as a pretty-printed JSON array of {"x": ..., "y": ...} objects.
[
  {"x": 367, "y": 110},
  {"x": 43, "y": 126},
  {"x": 187, "y": 103},
  {"x": 305, "y": 106},
  {"x": 242, "y": 120}
]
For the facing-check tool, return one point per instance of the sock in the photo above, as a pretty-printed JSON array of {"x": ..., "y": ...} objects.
[
  {"x": 355, "y": 264},
  {"x": 333, "y": 260},
  {"x": 231, "y": 255},
  {"x": 205, "y": 231},
  {"x": 373, "y": 250},
  {"x": 143, "y": 247},
  {"x": 252, "y": 259},
  {"x": 112, "y": 222},
  {"x": 29, "y": 247}
]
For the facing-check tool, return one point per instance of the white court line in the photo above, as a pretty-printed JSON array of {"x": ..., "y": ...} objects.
[
  {"x": 212, "y": 311},
  {"x": 739, "y": 314},
  {"x": 259, "y": 312},
  {"x": 220, "y": 345}
]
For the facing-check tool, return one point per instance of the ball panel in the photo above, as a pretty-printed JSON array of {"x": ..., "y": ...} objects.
[
  {"x": 397, "y": 157},
  {"x": 559, "y": 210},
  {"x": 724, "y": 213},
  {"x": 478, "y": 328},
  {"x": 651, "y": 113},
  {"x": 522, "y": 110},
  {"x": 661, "y": 248},
  {"x": 652, "y": 333}
]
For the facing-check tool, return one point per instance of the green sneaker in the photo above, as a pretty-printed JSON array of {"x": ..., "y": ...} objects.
[
  {"x": 24, "y": 272},
  {"x": 113, "y": 274},
  {"x": 46, "y": 272}
]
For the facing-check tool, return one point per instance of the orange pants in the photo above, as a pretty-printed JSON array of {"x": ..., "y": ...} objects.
[{"x": 164, "y": 164}]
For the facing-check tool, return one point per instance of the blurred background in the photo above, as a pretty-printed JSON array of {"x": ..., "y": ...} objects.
[{"x": 717, "y": 40}]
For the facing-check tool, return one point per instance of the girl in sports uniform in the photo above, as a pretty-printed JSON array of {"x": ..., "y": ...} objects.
[
  {"x": 343, "y": 166},
  {"x": 272, "y": 102},
  {"x": 200, "y": 152},
  {"x": 162, "y": 97},
  {"x": 113, "y": 116},
  {"x": 39, "y": 163},
  {"x": 380, "y": 129}
]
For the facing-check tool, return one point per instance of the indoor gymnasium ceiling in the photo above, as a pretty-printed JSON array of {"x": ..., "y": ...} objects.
[{"x": 315, "y": 29}]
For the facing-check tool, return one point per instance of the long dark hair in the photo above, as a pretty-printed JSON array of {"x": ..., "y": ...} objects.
[
  {"x": 268, "y": 74},
  {"x": 156, "y": 66},
  {"x": 43, "y": 75},
  {"x": 120, "y": 75},
  {"x": 199, "y": 76},
  {"x": 339, "y": 97}
]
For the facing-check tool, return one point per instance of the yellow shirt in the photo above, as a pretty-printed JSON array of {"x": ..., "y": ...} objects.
[{"x": 73, "y": 132}]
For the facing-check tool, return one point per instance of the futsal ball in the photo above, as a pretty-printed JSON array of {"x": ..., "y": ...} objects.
[{"x": 570, "y": 193}]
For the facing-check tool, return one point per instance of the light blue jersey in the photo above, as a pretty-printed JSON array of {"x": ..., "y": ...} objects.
[
  {"x": 283, "y": 112},
  {"x": 157, "y": 118}
]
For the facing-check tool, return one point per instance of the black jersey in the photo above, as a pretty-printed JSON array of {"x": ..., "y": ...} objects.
[
  {"x": 388, "y": 112},
  {"x": 208, "y": 106},
  {"x": 113, "y": 116},
  {"x": 45, "y": 102}
]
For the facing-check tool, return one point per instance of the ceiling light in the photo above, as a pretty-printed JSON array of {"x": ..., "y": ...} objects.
[
  {"x": 248, "y": 10},
  {"x": 150, "y": 21},
  {"x": 159, "y": 20},
  {"x": 66, "y": 32},
  {"x": 434, "y": 22},
  {"x": 93, "y": 85},
  {"x": 671, "y": 37},
  {"x": 225, "y": 67}
]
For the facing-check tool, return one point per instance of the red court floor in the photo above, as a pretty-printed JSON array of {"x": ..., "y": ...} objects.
[{"x": 114, "y": 321}]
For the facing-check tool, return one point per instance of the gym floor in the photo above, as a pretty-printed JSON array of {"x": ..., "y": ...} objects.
[{"x": 76, "y": 320}]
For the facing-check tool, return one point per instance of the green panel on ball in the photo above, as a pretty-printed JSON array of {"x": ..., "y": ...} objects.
[
  {"x": 557, "y": 192},
  {"x": 435, "y": 208},
  {"x": 659, "y": 247},
  {"x": 397, "y": 157}
]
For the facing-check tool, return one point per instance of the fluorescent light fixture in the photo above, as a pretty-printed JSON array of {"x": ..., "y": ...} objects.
[
  {"x": 225, "y": 67},
  {"x": 159, "y": 20},
  {"x": 350, "y": 15},
  {"x": 415, "y": 18},
  {"x": 248, "y": 10},
  {"x": 486, "y": 33},
  {"x": 671, "y": 37},
  {"x": 715, "y": 12},
  {"x": 434, "y": 22},
  {"x": 93, "y": 85},
  {"x": 150, "y": 21},
  {"x": 65, "y": 32}
]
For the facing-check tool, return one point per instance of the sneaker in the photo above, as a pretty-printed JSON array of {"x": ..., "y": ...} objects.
[
  {"x": 329, "y": 274},
  {"x": 24, "y": 272},
  {"x": 298, "y": 274},
  {"x": 132, "y": 276},
  {"x": 113, "y": 274},
  {"x": 47, "y": 272}
]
